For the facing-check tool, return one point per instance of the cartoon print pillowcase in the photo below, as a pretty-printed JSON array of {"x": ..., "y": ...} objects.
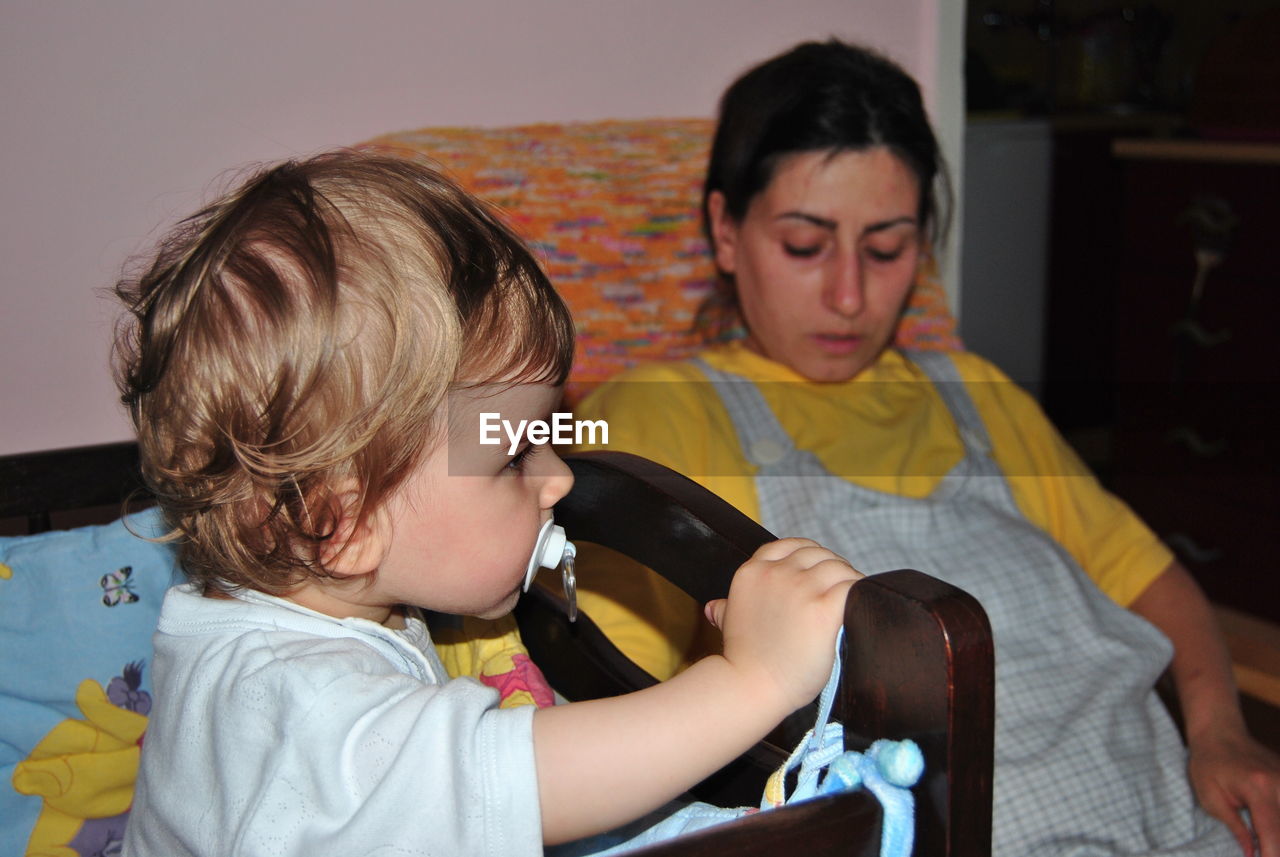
[{"x": 77, "y": 611}]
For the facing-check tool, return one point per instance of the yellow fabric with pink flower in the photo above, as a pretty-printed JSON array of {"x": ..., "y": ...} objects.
[{"x": 491, "y": 651}]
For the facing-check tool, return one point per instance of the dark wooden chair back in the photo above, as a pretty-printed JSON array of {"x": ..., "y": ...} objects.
[
  {"x": 66, "y": 487},
  {"x": 918, "y": 664}
]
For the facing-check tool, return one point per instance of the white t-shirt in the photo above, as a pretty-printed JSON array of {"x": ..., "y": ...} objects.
[{"x": 280, "y": 731}]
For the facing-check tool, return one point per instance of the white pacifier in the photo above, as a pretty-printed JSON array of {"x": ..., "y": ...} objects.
[{"x": 552, "y": 549}]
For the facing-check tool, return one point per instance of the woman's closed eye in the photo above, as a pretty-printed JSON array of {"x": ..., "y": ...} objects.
[
  {"x": 889, "y": 255},
  {"x": 801, "y": 251},
  {"x": 890, "y": 246}
]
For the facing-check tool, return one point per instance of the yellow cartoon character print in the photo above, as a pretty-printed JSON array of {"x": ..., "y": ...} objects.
[
  {"x": 492, "y": 652},
  {"x": 85, "y": 770}
]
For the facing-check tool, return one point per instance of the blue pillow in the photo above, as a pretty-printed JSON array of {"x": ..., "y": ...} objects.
[{"x": 77, "y": 611}]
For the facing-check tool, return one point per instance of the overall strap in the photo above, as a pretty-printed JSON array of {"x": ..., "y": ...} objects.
[
  {"x": 941, "y": 370},
  {"x": 763, "y": 439}
]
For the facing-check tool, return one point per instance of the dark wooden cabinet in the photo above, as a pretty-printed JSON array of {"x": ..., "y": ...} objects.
[{"x": 1197, "y": 367}]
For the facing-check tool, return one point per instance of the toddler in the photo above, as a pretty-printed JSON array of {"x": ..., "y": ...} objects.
[{"x": 305, "y": 361}]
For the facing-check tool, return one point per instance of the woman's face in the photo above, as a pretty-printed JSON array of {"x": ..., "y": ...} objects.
[{"x": 824, "y": 259}]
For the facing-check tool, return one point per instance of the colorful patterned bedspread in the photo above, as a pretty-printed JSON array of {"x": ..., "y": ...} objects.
[{"x": 612, "y": 210}]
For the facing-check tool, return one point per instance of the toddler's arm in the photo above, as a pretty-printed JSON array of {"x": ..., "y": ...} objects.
[{"x": 607, "y": 762}]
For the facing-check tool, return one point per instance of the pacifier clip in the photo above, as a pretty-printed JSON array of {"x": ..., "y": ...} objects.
[{"x": 553, "y": 549}]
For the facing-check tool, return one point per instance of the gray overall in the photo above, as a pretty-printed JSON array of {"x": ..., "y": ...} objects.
[{"x": 1087, "y": 760}]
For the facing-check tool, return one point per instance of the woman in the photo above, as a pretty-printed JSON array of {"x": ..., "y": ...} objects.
[{"x": 819, "y": 205}]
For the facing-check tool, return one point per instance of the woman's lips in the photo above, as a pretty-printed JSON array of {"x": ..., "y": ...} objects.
[{"x": 837, "y": 343}]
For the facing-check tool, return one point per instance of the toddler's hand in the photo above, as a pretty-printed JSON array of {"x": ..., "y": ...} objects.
[{"x": 780, "y": 620}]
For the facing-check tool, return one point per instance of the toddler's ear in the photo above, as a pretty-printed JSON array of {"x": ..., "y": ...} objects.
[{"x": 356, "y": 547}]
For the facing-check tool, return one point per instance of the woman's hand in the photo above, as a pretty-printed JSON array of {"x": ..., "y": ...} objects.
[
  {"x": 1230, "y": 772},
  {"x": 780, "y": 620}
]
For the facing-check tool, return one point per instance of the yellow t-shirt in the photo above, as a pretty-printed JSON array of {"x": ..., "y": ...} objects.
[{"x": 887, "y": 430}]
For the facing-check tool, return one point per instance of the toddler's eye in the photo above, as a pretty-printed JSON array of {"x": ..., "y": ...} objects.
[{"x": 521, "y": 458}]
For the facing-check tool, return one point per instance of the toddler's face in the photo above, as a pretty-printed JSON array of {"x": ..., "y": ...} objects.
[{"x": 463, "y": 525}]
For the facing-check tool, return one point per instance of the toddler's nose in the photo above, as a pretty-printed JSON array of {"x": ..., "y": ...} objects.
[{"x": 557, "y": 482}]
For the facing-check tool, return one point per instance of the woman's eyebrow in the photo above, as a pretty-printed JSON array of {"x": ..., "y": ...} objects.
[
  {"x": 906, "y": 219},
  {"x": 830, "y": 225},
  {"x": 814, "y": 219}
]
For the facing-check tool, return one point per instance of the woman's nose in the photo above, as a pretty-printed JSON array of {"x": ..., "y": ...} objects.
[{"x": 843, "y": 293}]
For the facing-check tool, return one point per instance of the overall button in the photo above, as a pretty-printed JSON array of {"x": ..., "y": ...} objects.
[{"x": 766, "y": 451}]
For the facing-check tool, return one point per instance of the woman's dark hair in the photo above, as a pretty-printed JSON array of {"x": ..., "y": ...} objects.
[{"x": 819, "y": 96}]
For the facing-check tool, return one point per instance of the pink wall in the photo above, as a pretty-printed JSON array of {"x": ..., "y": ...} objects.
[{"x": 116, "y": 116}]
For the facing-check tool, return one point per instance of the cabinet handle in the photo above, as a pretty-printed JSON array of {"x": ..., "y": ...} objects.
[
  {"x": 1212, "y": 222},
  {"x": 1190, "y": 438},
  {"x": 1187, "y": 546}
]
